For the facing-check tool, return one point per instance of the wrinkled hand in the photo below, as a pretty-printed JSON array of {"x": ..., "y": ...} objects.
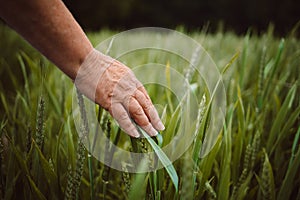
[{"x": 113, "y": 86}]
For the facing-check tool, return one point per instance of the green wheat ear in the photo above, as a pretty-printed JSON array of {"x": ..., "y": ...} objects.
[
  {"x": 85, "y": 127},
  {"x": 245, "y": 171},
  {"x": 39, "y": 138},
  {"x": 126, "y": 179},
  {"x": 69, "y": 188},
  {"x": 255, "y": 148},
  {"x": 261, "y": 79},
  {"x": 249, "y": 161},
  {"x": 267, "y": 185},
  {"x": 74, "y": 178},
  {"x": 40, "y": 123},
  {"x": 28, "y": 139},
  {"x": 79, "y": 167}
]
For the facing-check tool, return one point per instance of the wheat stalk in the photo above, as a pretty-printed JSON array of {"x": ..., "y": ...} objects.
[
  {"x": 74, "y": 180},
  {"x": 187, "y": 177},
  {"x": 108, "y": 157}
]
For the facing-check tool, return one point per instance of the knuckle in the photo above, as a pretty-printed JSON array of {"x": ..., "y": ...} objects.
[
  {"x": 148, "y": 106},
  {"x": 122, "y": 116},
  {"x": 130, "y": 129},
  {"x": 142, "y": 120},
  {"x": 137, "y": 111}
]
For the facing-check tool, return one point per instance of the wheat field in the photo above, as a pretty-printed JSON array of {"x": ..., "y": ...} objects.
[{"x": 256, "y": 155}]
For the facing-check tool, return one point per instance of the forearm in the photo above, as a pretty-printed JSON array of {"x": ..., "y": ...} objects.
[{"x": 49, "y": 27}]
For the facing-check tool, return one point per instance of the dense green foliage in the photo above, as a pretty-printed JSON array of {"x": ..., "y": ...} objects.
[{"x": 257, "y": 155}]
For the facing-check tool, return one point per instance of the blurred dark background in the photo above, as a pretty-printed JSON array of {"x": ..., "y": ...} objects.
[{"x": 233, "y": 15}]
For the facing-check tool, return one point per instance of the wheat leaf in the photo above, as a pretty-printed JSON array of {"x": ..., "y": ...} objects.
[
  {"x": 163, "y": 159},
  {"x": 35, "y": 190}
]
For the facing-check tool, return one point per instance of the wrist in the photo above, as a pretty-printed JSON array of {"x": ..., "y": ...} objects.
[
  {"x": 93, "y": 65},
  {"x": 91, "y": 71}
]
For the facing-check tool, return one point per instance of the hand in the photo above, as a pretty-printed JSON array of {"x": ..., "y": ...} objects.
[{"x": 113, "y": 86}]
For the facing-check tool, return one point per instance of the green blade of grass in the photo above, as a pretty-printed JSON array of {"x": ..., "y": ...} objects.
[
  {"x": 274, "y": 69},
  {"x": 53, "y": 100},
  {"x": 10, "y": 175},
  {"x": 206, "y": 166},
  {"x": 25, "y": 76},
  {"x": 50, "y": 175},
  {"x": 168, "y": 93},
  {"x": 243, "y": 189},
  {"x": 280, "y": 118},
  {"x": 295, "y": 144},
  {"x": 231, "y": 61},
  {"x": 288, "y": 125},
  {"x": 163, "y": 159},
  {"x": 239, "y": 137},
  {"x": 19, "y": 158},
  {"x": 5, "y": 66},
  {"x": 244, "y": 59},
  {"x": 5, "y": 104},
  {"x": 69, "y": 140},
  {"x": 35, "y": 190},
  {"x": 138, "y": 187},
  {"x": 170, "y": 131},
  {"x": 225, "y": 170},
  {"x": 288, "y": 181}
]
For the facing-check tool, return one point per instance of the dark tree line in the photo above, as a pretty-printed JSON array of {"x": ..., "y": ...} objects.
[{"x": 237, "y": 15}]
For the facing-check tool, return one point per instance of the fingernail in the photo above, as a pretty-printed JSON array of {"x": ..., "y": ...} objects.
[
  {"x": 160, "y": 126},
  {"x": 155, "y": 133},
  {"x": 152, "y": 131},
  {"x": 136, "y": 134}
]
